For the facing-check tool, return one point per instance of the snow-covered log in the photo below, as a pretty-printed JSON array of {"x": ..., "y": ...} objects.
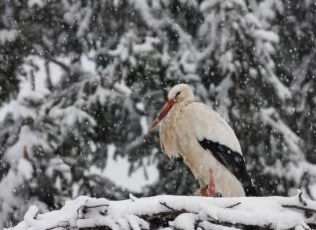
[{"x": 177, "y": 212}]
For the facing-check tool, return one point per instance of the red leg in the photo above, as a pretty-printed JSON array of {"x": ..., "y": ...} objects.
[
  {"x": 209, "y": 190},
  {"x": 204, "y": 191},
  {"x": 211, "y": 185}
]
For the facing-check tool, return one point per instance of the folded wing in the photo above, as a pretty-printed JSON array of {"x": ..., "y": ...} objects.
[{"x": 215, "y": 135}]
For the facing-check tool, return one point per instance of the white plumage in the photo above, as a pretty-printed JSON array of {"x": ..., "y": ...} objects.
[{"x": 206, "y": 143}]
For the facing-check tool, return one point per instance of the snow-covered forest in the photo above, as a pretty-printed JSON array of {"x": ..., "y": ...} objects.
[{"x": 81, "y": 81}]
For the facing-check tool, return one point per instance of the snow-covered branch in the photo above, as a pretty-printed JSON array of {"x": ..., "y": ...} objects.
[{"x": 177, "y": 212}]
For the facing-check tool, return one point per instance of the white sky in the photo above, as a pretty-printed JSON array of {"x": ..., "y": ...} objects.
[{"x": 117, "y": 171}]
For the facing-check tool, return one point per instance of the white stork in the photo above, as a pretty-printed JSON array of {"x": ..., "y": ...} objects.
[{"x": 207, "y": 144}]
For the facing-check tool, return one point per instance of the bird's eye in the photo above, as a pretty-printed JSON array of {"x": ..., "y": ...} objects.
[{"x": 178, "y": 93}]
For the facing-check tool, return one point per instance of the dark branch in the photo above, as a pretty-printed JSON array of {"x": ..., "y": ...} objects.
[
  {"x": 308, "y": 212},
  {"x": 234, "y": 205},
  {"x": 300, "y": 197},
  {"x": 167, "y": 206}
]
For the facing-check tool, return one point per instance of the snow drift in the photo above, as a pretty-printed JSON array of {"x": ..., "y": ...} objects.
[{"x": 177, "y": 212}]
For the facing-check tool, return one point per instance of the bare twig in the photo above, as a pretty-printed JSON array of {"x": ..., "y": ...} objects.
[
  {"x": 97, "y": 206},
  {"x": 301, "y": 199},
  {"x": 66, "y": 225},
  {"x": 59, "y": 63},
  {"x": 234, "y": 205},
  {"x": 132, "y": 197},
  {"x": 238, "y": 225},
  {"x": 308, "y": 212},
  {"x": 167, "y": 206}
]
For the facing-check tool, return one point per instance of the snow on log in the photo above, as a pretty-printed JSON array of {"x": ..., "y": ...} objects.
[{"x": 176, "y": 212}]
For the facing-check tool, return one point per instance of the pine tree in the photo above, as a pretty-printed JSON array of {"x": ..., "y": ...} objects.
[
  {"x": 240, "y": 73},
  {"x": 294, "y": 24},
  {"x": 297, "y": 54}
]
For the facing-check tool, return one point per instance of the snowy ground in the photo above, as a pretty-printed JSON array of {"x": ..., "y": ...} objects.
[{"x": 177, "y": 212}]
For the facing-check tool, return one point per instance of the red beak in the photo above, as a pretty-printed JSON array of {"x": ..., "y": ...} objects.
[{"x": 163, "y": 112}]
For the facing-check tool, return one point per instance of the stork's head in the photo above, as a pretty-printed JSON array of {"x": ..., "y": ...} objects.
[{"x": 178, "y": 94}]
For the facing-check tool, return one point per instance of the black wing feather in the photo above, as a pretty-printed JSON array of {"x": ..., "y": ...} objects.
[{"x": 233, "y": 161}]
